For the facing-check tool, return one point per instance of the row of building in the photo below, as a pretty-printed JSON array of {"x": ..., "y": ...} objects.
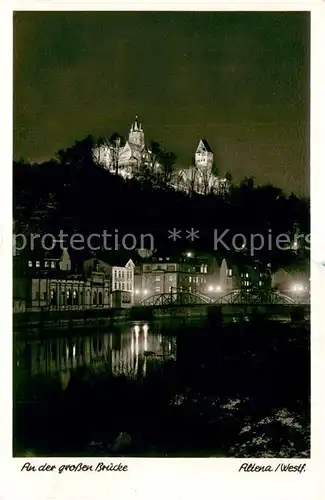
[{"x": 50, "y": 280}]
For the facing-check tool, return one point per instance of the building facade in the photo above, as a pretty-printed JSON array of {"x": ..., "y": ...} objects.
[
  {"x": 119, "y": 271},
  {"x": 47, "y": 284},
  {"x": 162, "y": 275},
  {"x": 247, "y": 276}
]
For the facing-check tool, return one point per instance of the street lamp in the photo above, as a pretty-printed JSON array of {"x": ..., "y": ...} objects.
[{"x": 189, "y": 254}]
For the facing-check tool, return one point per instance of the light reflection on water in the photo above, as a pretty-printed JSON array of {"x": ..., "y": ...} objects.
[{"x": 128, "y": 351}]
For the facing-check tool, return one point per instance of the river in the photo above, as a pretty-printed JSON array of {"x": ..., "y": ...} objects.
[{"x": 163, "y": 389}]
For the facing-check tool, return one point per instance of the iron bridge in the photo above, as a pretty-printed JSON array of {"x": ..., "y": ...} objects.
[{"x": 184, "y": 298}]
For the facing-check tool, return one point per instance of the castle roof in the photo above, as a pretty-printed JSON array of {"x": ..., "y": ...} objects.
[
  {"x": 206, "y": 145},
  {"x": 136, "y": 125}
]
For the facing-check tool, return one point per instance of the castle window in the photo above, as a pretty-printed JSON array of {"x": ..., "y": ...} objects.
[
  {"x": 38, "y": 264},
  {"x": 46, "y": 263},
  {"x": 52, "y": 264},
  {"x": 30, "y": 263}
]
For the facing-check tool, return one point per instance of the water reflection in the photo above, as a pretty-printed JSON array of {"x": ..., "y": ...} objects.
[{"x": 123, "y": 352}]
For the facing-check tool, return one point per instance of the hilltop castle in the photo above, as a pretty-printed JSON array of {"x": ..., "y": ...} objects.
[{"x": 125, "y": 159}]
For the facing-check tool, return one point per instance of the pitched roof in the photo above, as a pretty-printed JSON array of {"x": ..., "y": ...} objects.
[
  {"x": 39, "y": 253},
  {"x": 206, "y": 145},
  {"x": 114, "y": 258}
]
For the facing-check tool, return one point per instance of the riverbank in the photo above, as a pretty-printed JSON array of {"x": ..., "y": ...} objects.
[{"x": 48, "y": 321}]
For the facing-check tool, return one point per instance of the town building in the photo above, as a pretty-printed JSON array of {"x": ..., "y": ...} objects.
[
  {"x": 244, "y": 275},
  {"x": 47, "y": 283},
  {"x": 160, "y": 275},
  {"x": 118, "y": 269},
  {"x": 293, "y": 281}
]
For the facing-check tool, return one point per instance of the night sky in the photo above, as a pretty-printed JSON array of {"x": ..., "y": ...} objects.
[{"x": 241, "y": 80}]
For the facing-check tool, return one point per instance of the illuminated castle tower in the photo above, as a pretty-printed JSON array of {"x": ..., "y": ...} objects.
[{"x": 136, "y": 135}]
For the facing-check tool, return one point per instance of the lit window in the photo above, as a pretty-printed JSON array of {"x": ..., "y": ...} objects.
[
  {"x": 246, "y": 275},
  {"x": 52, "y": 264},
  {"x": 157, "y": 278},
  {"x": 229, "y": 272},
  {"x": 260, "y": 283},
  {"x": 30, "y": 264},
  {"x": 46, "y": 263},
  {"x": 157, "y": 288},
  {"x": 190, "y": 279},
  {"x": 171, "y": 277},
  {"x": 38, "y": 264}
]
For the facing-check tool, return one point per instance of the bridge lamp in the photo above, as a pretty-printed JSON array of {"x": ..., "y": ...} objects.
[
  {"x": 137, "y": 292},
  {"x": 218, "y": 288},
  {"x": 145, "y": 292},
  {"x": 210, "y": 288},
  {"x": 189, "y": 254}
]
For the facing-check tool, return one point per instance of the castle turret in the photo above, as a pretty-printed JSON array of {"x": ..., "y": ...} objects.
[
  {"x": 136, "y": 135},
  {"x": 204, "y": 155}
]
